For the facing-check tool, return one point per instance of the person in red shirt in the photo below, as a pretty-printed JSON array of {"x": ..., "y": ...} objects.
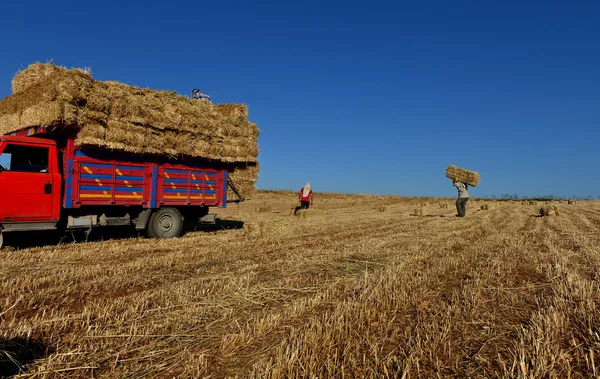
[{"x": 305, "y": 198}]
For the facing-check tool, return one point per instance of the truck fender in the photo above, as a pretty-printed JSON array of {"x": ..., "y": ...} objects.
[{"x": 142, "y": 219}]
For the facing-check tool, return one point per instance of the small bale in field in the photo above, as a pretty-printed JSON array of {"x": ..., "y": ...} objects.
[
  {"x": 443, "y": 206},
  {"x": 381, "y": 209},
  {"x": 253, "y": 228},
  {"x": 418, "y": 212},
  {"x": 485, "y": 207},
  {"x": 572, "y": 202},
  {"x": 549, "y": 211},
  {"x": 293, "y": 208}
]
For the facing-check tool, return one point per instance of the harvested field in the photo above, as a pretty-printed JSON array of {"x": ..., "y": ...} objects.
[{"x": 347, "y": 292}]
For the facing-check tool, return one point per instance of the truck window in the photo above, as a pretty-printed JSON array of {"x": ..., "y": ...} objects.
[{"x": 24, "y": 158}]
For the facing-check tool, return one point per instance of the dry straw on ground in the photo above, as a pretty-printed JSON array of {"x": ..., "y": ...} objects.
[
  {"x": 115, "y": 116},
  {"x": 353, "y": 293},
  {"x": 462, "y": 175}
]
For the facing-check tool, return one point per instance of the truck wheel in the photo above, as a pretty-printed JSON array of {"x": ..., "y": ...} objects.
[{"x": 165, "y": 223}]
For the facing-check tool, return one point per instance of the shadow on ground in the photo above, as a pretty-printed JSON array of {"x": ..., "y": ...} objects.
[
  {"x": 25, "y": 240},
  {"x": 16, "y": 353}
]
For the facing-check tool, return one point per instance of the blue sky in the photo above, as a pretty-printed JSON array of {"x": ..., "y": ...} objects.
[{"x": 365, "y": 97}]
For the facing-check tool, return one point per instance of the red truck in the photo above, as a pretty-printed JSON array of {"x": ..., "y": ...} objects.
[{"x": 47, "y": 183}]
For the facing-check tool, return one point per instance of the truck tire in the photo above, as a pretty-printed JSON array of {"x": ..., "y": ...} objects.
[{"x": 165, "y": 223}]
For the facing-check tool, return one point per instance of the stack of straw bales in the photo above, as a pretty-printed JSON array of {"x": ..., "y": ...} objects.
[
  {"x": 468, "y": 177},
  {"x": 549, "y": 211},
  {"x": 115, "y": 116}
]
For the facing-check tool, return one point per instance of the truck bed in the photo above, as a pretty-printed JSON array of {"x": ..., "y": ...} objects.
[{"x": 106, "y": 179}]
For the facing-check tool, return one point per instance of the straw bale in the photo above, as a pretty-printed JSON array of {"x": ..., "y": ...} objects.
[
  {"x": 549, "y": 211},
  {"x": 468, "y": 177},
  {"x": 236, "y": 111},
  {"x": 6, "y": 121},
  {"x": 74, "y": 82},
  {"x": 243, "y": 177},
  {"x": 115, "y": 116},
  {"x": 254, "y": 228},
  {"x": 162, "y": 110}
]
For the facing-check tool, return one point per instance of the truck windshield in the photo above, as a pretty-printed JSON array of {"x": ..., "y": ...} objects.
[{"x": 24, "y": 158}]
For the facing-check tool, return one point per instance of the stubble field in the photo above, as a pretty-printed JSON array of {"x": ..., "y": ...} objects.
[{"x": 362, "y": 286}]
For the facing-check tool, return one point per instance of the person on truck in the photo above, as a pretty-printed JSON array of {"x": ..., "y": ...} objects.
[
  {"x": 463, "y": 197},
  {"x": 197, "y": 95},
  {"x": 305, "y": 198}
]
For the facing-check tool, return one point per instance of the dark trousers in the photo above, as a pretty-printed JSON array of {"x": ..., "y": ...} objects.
[
  {"x": 461, "y": 206},
  {"x": 303, "y": 205}
]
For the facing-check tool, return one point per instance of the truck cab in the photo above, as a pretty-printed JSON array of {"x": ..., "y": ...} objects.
[{"x": 30, "y": 184}]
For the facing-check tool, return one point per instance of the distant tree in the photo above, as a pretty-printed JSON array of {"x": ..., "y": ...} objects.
[{"x": 516, "y": 197}]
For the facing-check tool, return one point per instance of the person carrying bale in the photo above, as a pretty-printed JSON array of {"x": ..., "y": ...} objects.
[
  {"x": 305, "y": 198},
  {"x": 463, "y": 197},
  {"x": 197, "y": 95}
]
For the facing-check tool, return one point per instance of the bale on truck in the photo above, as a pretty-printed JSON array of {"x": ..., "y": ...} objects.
[{"x": 79, "y": 153}]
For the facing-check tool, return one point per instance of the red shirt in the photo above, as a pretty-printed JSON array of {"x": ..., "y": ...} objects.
[{"x": 307, "y": 198}]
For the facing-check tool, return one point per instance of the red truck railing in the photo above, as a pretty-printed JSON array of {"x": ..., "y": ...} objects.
[{"x": 109, "y": 179}]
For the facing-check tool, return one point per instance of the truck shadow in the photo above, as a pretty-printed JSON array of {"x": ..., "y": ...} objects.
[
  {"x": 218, "y": 226},
  {"x": 27, "y": 240},
  {"x": 16, "y": 353}
]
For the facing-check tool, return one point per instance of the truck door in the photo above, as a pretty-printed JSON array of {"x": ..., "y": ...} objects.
[{"x": 26, "y": 184}]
